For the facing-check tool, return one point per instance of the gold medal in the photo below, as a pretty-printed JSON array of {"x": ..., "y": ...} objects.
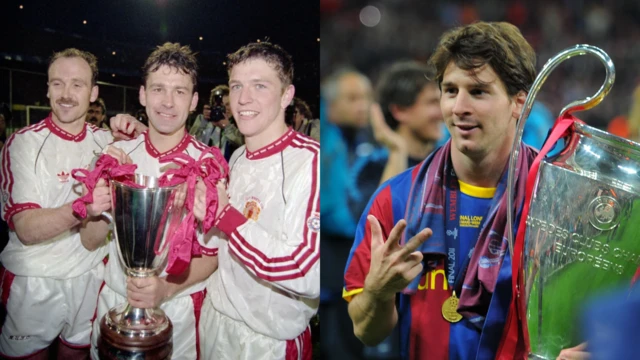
[{"x": 450, "y": 309}]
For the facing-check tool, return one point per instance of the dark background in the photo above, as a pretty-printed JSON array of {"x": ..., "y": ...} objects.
[{"x": 133, "y": 28}]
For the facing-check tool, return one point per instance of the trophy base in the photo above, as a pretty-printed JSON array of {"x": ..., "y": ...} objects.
[{"x": 114, "y": 345}]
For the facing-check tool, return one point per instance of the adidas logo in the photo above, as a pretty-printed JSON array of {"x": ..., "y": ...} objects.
[{"x": 63, "y": 176}]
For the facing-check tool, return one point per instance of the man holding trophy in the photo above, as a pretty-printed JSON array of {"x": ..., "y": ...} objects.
[
  {"x": 434, "y": 235},
  {"x": 48, "y": 277},
  {"x": 267, "y": 287},
  {"x": 168, "y": 93}
]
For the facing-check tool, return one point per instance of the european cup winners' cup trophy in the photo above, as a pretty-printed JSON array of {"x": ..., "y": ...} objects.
[
  {"x": 582, "y": 225},
  {"x": 144, "y": 217}
]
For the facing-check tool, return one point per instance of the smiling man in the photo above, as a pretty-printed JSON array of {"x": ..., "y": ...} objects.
[
  {"x": 267, "y": 286},
  {"x": 168, "y": 94},
  {"x": 452, "y": 275},
  {"x": 50, "y": 282}
]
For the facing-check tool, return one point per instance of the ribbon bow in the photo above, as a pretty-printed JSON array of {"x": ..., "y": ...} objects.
[
  {"x": 184, "y": 242},
  {"x": 107, "y": 168}
]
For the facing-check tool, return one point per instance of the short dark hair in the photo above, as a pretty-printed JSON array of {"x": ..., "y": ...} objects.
[
  {"x": 400, "y": 85},
  {"x": 173, "y": 55},
  {"x": 273, "y": 54},
  {"x": 99, "y": 102},
  {"x": 224, "y": 89},
  {"x": 499, "y": 44},
  {"x": 302, "y": 108},
  {"x": 84, "y": 55}
]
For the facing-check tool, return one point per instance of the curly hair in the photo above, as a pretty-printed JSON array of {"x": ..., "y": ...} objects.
[{"x": 173, "y": 55}]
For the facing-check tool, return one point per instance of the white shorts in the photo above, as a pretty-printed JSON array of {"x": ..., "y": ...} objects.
[
  {"x": 41, "y": 309},
  {"x": 184, "y": 313},
  {"x": 222, "y": 338}
]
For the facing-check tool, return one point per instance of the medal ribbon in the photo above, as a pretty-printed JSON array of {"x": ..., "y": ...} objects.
[{"x": 452, "y": 217}]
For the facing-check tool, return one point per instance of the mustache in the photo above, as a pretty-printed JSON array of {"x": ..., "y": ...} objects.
[{"x": 67, "y": 101}]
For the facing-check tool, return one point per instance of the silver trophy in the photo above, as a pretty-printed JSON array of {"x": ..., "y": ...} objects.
[
  {"x": 581, "y": 234},
  {"x": 143, "y": 219}
]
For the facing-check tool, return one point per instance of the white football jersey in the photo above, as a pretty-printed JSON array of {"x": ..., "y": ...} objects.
[
  {"x": 36, "y": 173},
  {"x": 147, "y": 158},
  {"x": 268, "y": 264}
]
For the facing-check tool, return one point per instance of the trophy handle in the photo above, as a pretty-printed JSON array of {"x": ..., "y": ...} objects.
[
  {"x": 108, "y": 216},
  {"x": 578, "y": 105}
]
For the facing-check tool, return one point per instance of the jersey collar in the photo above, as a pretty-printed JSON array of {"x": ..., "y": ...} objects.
[
  {"x": 58, "y": 131},
  {"x": 176, "y": 149},
  {"x": 274, "y": 147}
]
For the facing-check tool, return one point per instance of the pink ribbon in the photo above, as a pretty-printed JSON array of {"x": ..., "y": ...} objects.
[
  {"x": 107, "y": 168},
  {"x": 184, "y": 242}
]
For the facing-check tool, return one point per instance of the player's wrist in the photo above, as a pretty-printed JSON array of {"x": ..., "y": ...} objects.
[{"x": 378, "y": 295}]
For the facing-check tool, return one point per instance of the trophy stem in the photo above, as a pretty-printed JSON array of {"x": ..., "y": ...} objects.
[
  {"x": 131, "y": 321},
  {"x": 136, "y": 316}
]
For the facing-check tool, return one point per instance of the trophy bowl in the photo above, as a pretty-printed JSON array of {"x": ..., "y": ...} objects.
[
  {"x": 580, "y": 236},
  {"x": 144, "y": 218}
]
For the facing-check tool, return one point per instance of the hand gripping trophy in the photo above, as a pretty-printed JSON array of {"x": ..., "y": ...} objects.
[{"x": 577, "y": 236}]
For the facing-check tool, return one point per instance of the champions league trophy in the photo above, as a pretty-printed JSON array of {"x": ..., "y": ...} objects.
[
  {"x": 143, "y": 220},
  {"x": 582, "y": 227}
]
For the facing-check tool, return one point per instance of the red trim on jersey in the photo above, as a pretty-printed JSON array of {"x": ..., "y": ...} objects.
[
  {"x": 208, "y": 251},
  {"x": 7, "y": 176},
  {"x": 198, "y": 300},
  {"x": 184, "y": 142},
  {"x": 305, "y": 255},
  {"x": 229, "y": 220},
  {"x": 95, "y": 312},
  {"x": 300, "y": 347},
  {"x": 6, "y": 280},
  {"x": 197, "y": 144},
  {"x": 15, "y": 209},
  {"x": 63, "y": 134},
  {"x": 272, "y": 148},
  {"x": 73, "y": 346}
]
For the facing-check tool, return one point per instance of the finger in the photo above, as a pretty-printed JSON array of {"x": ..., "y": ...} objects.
[
  {"x": 414, "y": 258},
  {"x": 413, "y": 272},
  {"x": 416, "y": 241},
  {"x": 393, "y": 241},
  {"x": 113, "y": 123},
  {"x": 575, "y": 353},
  {"x": 581, "y": 347},
  {"x": 376, "y": 233},
  {"x": 130, "y": 127},
  {"x": 139, "y": 283}
]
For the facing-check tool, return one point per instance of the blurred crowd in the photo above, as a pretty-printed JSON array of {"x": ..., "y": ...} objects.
[{"x": 410, "y": 29}]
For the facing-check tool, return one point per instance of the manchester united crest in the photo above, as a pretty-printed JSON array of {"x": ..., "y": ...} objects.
[{"x": 252, "y": 209}]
